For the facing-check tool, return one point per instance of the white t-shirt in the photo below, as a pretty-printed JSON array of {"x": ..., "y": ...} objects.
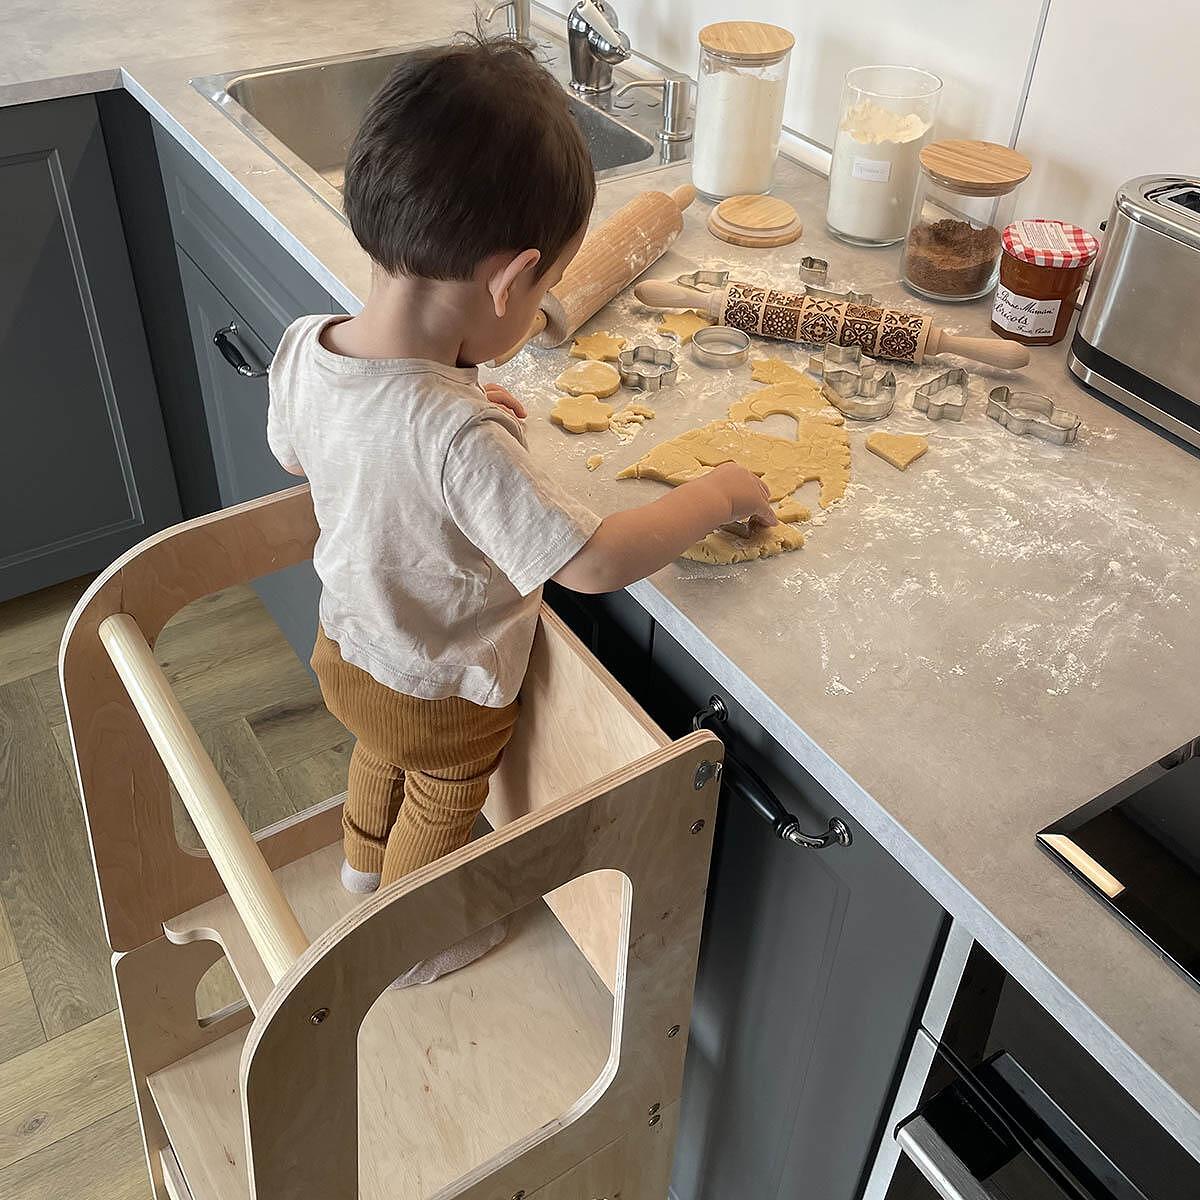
[{"x": 437, "y": 528}]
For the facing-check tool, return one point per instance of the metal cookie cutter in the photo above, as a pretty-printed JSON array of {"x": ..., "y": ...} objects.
[
  {"x": 647, "y": 368},
  {"x": 704, "y": 280},
  {"x": 852, "y": 383},
  {"x": 720, "y": 346},
  {"x": 952, "y": 407},
  {"x": 814, "y": 270},
  {"x": 1032, "y": 413}
]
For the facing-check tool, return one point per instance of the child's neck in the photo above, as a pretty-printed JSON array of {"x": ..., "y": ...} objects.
[{"x": 407, "y": 317}]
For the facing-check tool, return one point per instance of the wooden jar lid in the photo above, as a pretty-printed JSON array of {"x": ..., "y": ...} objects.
[
  {"x": 747, "y": 41},
  {"x": 755, "y": 221},
  {"x": 975, "y": 168}
]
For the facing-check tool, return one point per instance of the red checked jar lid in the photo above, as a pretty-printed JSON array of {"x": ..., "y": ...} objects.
[{"x": 1042, "y": 267}]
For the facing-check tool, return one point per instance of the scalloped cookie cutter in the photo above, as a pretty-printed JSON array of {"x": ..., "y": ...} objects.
[
  {"x": 647, "y": 368},
  {"x": 1032, "y": 413},
  {"x": 814, "y": 270},
  {"x": 950, "y": 408}
]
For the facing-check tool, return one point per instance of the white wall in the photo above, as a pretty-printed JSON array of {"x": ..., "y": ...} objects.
[
  {"x": 1113, "y": 85},
  {"x": 1115, "y": 94},
  {"x": 979, "y": 48}
]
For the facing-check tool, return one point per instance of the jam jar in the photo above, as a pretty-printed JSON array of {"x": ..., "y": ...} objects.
[{"x": 1042, "y": 266}]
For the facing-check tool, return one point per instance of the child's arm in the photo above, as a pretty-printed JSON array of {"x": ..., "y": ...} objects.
[{"x": 635, "y": 543}]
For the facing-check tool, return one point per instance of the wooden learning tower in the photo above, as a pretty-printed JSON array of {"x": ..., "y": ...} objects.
[{"x": 548, "y": 1070}]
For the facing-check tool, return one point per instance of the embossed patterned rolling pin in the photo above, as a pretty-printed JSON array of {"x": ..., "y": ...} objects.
[{"x": 893, "y": 333}]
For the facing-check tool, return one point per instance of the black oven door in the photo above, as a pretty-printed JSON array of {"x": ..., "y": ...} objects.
[{"x": 1013, "y": 1108}]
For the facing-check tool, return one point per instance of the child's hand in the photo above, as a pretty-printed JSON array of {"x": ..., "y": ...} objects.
[
  {"x": 746, "y": 494},
  {"x": 503, "y": 398}
]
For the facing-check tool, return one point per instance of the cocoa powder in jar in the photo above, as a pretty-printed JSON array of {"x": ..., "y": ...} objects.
[{"x": 951, "y": 258}]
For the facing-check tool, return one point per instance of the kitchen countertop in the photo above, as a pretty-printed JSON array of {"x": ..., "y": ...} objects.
[{"x": 960, "y": 654}]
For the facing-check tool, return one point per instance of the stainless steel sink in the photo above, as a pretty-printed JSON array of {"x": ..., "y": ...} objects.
[{"x": 305, "y": 115}]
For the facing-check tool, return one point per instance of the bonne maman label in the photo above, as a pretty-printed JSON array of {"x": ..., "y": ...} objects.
[{"x": 1024, "y": 314}]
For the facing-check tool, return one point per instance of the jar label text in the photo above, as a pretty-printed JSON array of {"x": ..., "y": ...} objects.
[
  {"x": 1023, "y": 314},
  {"x": 875, "y": 170}
]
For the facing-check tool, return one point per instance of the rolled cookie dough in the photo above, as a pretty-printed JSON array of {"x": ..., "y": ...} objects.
[
  {"x": 593, "y": 461},
  {"x": 683, "y": 325},
  {"x": 602, "y": 347},
  {"x": 821, "y": 451},
  {"x": 581, "y": 414},
  {"x": 899, "y": 449},
  {"x": 774, "y": 370},
  {"x": 597, "y": 379},
  {"x": 627, "y": 421},
  {"x": 723, "y": 548},
  {"x": 799, "y": 398}
]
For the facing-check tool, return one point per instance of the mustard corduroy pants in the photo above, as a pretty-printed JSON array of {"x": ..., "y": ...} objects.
[{"x": 419, "y": 771}]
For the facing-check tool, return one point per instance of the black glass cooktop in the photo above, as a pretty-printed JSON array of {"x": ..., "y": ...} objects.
[{"x": 1137, "y": 848}]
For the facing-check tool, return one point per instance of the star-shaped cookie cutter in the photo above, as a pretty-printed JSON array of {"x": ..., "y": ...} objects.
[
  {"x": 952, "y": 407},
  {"x": 704, "y": 280},
  {"x": 852, "y": 383},
  {"x": 647, "y": 368},
  {"x": 1032, "y": 413}
]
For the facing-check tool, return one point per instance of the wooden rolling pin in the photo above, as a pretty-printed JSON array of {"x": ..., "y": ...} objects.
[
  {"x": 613, "y": 254},
  {"x": 893, "y": 333}
]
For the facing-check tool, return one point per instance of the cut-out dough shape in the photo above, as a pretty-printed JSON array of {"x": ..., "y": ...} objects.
[
  {"x": 820, "y": 451},
  {"x": 725, "y": 548},
  {"x": 630, "y": 419},
  {"x": 791, "y": 511},
  {"x": 774, "y": 370},
  {"x": 593, "y": 461},
  {"x": 899, "y": 449},
  {"x": 597, "y": 379},
  {"x": 798, "y": 398},
  {"x": 683, "y": 325},
  {"x": 601, "y": 347},
  {"x": 581, "y": 414}
]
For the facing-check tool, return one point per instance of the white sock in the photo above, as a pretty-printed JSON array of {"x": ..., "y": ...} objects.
[
  {"x": 453, "y": 958},
  {"x": 359, "y": 882}
]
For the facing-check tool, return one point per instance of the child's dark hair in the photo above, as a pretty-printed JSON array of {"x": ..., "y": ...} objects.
[{"x": 465, "y": 151}]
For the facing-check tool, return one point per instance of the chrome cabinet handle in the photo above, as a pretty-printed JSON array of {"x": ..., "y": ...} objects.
[
  {"x": 945, "y": 1172},
  {"x": 785, "y": 825},
  {"x": 233, "y": 356}
]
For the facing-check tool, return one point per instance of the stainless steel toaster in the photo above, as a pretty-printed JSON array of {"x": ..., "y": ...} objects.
[{"x": 1138, "y": 339}]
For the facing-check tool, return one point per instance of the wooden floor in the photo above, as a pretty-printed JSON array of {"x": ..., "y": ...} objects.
[{"x": 67, "y": 1126}]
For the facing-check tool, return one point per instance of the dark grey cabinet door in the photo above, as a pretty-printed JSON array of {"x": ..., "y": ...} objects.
[
  {"x": 84, "y": 468},
  {"x": 811, "y": 970},
  {"x": 235, "y": 406}
]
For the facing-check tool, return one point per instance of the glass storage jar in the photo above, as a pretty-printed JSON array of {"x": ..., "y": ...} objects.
[
  {"x": 1041, "y": 271},
  {"x": 740, "y": 89},
  {"x": 886, "y": 119},
  {"x": 965, "y": 196}
]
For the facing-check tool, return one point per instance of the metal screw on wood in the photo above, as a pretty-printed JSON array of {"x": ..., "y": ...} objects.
[
  {"x": 653, "y": 1109},
  {"x": 654, "y": 1120},
  {"x": 673, "y": 1031},
  {"x": 320, "y": 1015},
  {"x": 704, "y": 772},
  {"x": 697, "y": 826}
]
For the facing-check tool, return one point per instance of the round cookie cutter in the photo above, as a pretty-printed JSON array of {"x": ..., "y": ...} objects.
[{"x": 720, "y": 346}]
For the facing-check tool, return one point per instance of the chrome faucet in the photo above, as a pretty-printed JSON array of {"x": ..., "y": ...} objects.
[
  {"x": 595, "y": 43},
  {"x": 518, "y": 18}
]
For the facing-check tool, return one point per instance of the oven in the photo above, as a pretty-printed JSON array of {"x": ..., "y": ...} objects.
[{"x": 998, "y": 1102}]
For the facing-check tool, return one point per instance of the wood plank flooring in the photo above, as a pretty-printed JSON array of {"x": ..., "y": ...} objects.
[{"x": 67, "y": 1128}]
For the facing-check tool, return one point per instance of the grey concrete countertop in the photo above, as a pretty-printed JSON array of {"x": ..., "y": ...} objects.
[{"x": 960, "y": 654}]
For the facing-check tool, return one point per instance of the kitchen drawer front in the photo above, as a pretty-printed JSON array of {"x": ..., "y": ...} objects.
[
  {"x": 258, "y": 277},
  {"x": 812, "y": 970},
  {"x": 614, "y": 627}
]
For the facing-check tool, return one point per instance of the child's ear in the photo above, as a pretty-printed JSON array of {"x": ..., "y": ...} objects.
[{"x": 501, "y": 280}]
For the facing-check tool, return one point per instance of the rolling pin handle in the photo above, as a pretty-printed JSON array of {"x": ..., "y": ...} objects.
[
  {"x": 661, "y": 293},
  {"x": 683, "y": 195},
  {"x": 996, "y": 352}
]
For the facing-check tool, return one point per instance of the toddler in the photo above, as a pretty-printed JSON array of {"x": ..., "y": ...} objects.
[{"x": 469, "y": 185}]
